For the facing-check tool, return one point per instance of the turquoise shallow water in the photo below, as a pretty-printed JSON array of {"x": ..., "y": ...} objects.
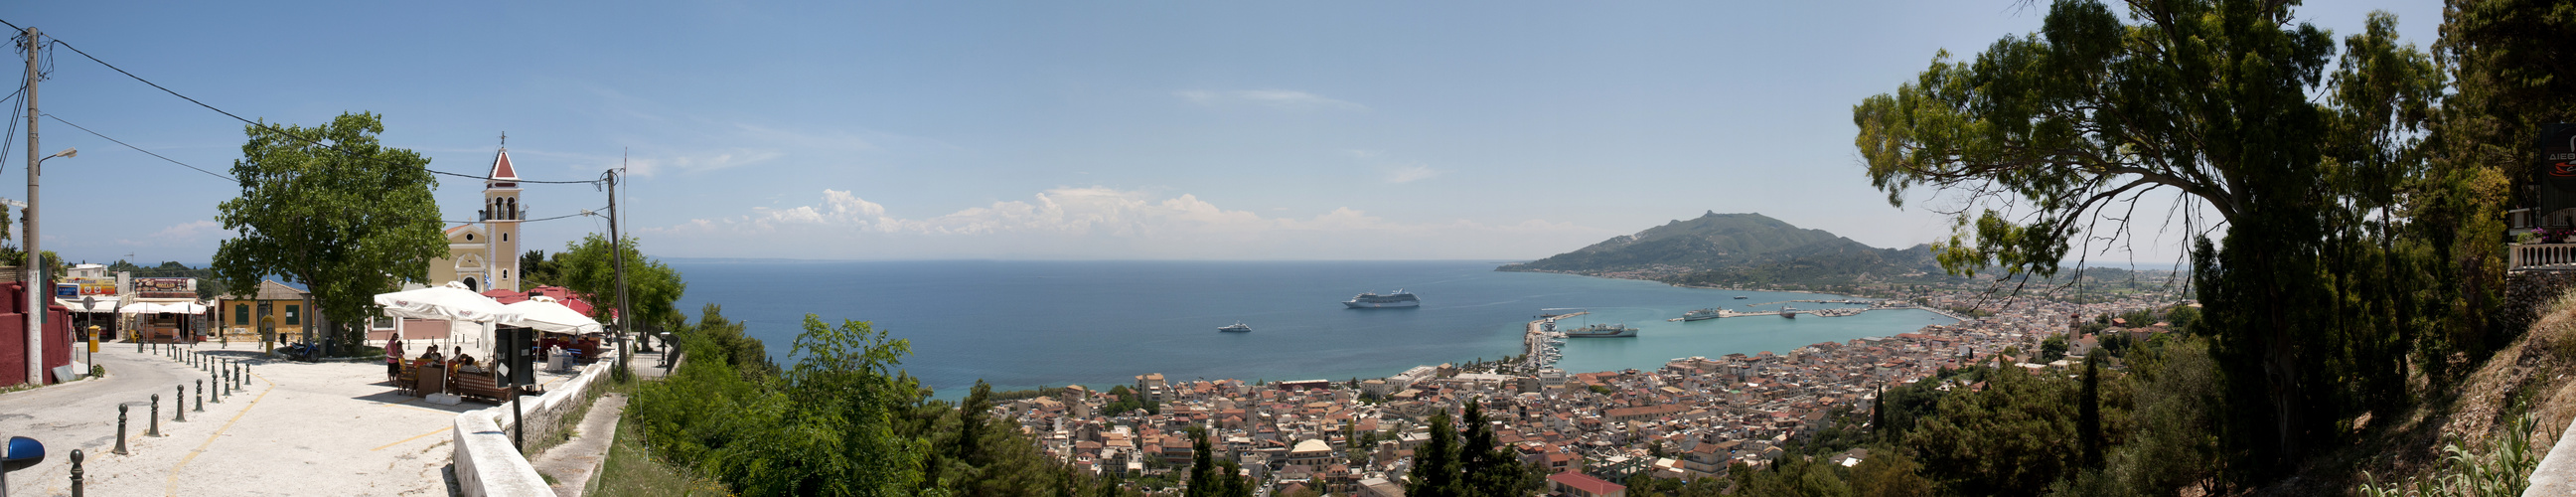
[{"x": 1020, "y": 324}]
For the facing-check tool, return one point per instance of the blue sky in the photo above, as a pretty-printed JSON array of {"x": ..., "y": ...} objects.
[{"x": 1036, "y": 130}]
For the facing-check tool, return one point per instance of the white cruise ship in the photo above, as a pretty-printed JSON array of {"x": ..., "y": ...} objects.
[{"x": 1400, "y": 298}]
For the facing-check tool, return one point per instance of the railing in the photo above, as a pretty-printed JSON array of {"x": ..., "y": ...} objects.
[{"x": 2543, "y": 257}]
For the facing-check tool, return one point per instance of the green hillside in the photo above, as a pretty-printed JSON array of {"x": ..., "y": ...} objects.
[{"x": 1740, "y": 250}]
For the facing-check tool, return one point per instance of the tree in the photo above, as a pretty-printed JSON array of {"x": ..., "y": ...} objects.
[
  {"x": 587, "y": 267},
  {"x": 333, "y": 209},
  {"x": 2054, "y": 137},
  {"x": 2088, "y": 417},
  {"x": 537, "y": 270},
  {"x": 2508, "y": 70},
  {"x": 1435, "y": 463}
]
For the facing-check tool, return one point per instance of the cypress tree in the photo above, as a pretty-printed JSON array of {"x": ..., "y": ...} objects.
[
  {"x": 1435, "y": 463},
  {"x": 2088, "y": 418}
]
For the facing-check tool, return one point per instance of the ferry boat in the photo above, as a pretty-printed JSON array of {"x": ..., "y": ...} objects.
[
  {"x": 1789, "y": 312},
  {"x": 1601, "y": 331},
  {"x": 1238, "y": 327},
  {"x": 1400, "y": 298},
  {"x": 1701, "y": 315}
]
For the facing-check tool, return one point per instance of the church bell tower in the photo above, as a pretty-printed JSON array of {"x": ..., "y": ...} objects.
[{"x": 502, "y": 214}]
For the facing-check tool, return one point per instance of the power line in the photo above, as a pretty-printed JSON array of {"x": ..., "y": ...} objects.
[
  {"x": 584, "y": 212},
  {"x": 261, "y": 125},
  {"x": 59, "y": 119}
]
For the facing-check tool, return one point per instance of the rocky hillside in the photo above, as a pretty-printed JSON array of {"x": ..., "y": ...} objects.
[{"x": 1738, "y": 250}]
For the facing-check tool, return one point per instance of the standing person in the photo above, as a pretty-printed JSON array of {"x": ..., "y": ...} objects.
[{"x": 394, "y": 358}]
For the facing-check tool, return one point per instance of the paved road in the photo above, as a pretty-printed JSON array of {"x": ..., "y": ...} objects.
[
  {"x": 298, "y": 429},
  {"x": 82, "y": 414}
]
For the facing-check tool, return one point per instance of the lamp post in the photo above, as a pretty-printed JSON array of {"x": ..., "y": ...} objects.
[{"x": 36, "y": 257}]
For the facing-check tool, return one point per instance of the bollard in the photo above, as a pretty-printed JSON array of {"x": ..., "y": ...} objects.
[
  {"x": 76, "y": 472},
  {"x": 154, "y": 429},
  {"x": 219, "y": 388},
  {"x": 179, "y": 412},
  {"x": 120, "y": 429},
  {"x": 201, "y": 395}
]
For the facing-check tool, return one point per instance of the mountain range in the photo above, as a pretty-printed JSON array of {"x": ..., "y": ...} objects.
[{"x": 1742, "y": 250}]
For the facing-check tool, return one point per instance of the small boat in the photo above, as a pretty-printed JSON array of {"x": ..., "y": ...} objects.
[
  {"x": 1238, "y": 327},
  {"x": 1702, "y": 315},
  {"x": 1741, "y": 297}
]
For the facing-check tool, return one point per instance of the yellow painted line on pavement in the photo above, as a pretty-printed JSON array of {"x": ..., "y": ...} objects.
[
  {"x": 413, "y": 437},
  {"x": 173, "y": 488}
]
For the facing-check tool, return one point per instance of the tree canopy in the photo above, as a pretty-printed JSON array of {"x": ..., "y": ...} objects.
[
  {"x": 2052, "y": 138},
  {"x": 586, "y": 266},
  {"x": 332, "y": 208}
]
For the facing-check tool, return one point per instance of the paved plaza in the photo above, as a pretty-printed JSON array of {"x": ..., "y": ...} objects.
[{"x": 333, "y": 428}]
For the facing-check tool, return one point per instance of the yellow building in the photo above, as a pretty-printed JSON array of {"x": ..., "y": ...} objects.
[
  {"x": 484, "y": 255},
  {"x": 240, "y": 316}
]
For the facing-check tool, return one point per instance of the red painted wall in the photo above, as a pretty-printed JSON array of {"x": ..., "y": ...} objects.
[{"x": 13, "y": 336}]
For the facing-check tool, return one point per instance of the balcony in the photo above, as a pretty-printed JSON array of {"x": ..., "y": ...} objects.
[{"x": 2542, "y": 257}]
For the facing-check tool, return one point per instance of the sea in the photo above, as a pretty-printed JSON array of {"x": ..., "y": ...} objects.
[{"x": 1027, "y": 324}]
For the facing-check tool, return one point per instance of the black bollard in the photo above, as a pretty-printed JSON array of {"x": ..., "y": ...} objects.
[
  {"x": 155, "y": 429},
  {"x": 120, "y": 429},
  {"x": 76, "y": 472},
  {"x": 179, "y": 412},
  {"x": 201, "y": 395}
]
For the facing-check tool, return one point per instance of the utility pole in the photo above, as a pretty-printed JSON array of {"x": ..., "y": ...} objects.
[
  {"x": 35, "y": 258},
  {"x": 617, "y": 257}
]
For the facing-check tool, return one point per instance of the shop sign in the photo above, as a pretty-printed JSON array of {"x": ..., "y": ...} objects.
[{"x": 165, "y": 288}]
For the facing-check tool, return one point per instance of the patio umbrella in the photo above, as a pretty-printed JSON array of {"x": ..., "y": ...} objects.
[
  {"x": 451, "y": 302},
  {"x": 543, "y": 314}
]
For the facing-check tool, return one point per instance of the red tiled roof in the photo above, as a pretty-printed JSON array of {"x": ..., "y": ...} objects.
[
  {"x": 501, "y": 169},
  {"x": 1586, "y": 483}
]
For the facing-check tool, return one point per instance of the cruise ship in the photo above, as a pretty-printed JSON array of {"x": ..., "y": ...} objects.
[
  {"x": 1400, "y": 298},
  {"x": 1601, "y": 331},
  {"x": 1702, "y": 315}
]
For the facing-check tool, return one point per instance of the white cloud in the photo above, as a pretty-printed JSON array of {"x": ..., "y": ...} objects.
[
  {"x": 1098, "y": 222},
  {"x": 1277, "y": 99},
  {"x": 1409, "y": 173}
]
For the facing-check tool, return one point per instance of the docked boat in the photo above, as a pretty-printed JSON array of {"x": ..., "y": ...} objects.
[
  {"x": 1702, "y": 315},
  {"x": 1400, "y": 298},
  {"x": 1238, "y": 327},
  {"x": 1601, "y": 331}
]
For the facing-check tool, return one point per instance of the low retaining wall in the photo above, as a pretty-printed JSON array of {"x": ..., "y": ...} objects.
[{"x": 486, "y": 462}]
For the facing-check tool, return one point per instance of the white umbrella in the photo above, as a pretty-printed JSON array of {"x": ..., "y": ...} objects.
[
  {"x": 159, "y": 307},
  {"x": 451, "y": 302},
  {"x": 544, "y": 314}
]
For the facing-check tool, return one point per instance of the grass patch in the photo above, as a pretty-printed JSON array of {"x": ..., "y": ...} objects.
[{"x": 632, "y": 471}]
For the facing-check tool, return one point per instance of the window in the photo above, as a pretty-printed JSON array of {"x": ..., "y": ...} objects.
[
  {"x": 241, "y": 314},
  {"x": 292, "y": 317},
  {"x": 505, "y": 236},
  {"x": 469, "y": 237}
]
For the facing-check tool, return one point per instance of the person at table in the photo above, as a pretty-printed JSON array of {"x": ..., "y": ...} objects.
[{"x": 464, "y": 358}]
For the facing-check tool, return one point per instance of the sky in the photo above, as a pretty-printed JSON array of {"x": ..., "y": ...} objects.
[{"x": 1030, "y": 130}]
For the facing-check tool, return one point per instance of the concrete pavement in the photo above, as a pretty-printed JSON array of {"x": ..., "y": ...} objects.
[{"x": 298, "y": 429}]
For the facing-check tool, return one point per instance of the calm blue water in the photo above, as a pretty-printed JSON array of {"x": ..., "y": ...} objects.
[{"x": 1020, "y": 324}]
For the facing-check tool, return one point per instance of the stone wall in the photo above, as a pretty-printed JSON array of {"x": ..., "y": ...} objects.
[
  {"x": 488, "y": 464},
  {"x": 2527, "y": 293}
]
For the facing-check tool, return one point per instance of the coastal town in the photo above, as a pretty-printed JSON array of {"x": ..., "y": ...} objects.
[{"x": 1693, "y": 417}]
